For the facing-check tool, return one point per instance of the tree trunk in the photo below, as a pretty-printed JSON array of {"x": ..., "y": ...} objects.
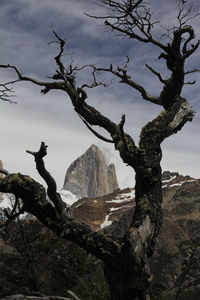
[
  {"x": 128, "y": 274},
  {"x": 125, "y": 278}
]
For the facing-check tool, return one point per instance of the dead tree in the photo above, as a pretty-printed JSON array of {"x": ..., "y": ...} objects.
[{"x": 125, "y": 258}]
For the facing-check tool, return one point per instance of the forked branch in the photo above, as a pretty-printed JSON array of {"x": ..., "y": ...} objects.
[
  {"x": 121, "y": 73},
  {"x": 131, "y": 19}
]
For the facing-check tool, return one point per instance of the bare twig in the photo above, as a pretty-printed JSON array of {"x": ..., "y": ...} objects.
[
  {"x": 95, "y": 83},
  {"x": 130, "y": 19},
  {"x": 58, "y": 57},
  {"x": 190, "y": 82},
  {"x": 6, "y": 92},
  {"x": 186, "y": 12},
  {"x": 192, "y": 71}
]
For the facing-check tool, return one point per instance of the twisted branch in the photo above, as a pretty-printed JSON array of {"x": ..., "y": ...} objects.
[{"x": 54, "y": 196}]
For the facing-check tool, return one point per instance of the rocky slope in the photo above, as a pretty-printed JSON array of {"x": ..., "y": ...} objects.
[
  {"x": 176, "y": 262},
  {"x": 89, "y": 175},
  {"x": 101, "y": 212},
  {"x": 183, "y": 189}
]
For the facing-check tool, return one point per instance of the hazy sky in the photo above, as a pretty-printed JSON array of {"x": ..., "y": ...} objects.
[{"x": 25, "y": 30}]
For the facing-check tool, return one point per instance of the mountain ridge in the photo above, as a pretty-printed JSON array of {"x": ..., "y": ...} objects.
[{"x": 172, "y": 182}]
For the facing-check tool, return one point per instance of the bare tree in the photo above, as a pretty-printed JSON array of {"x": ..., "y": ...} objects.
[{"x": 125, "y": 258}]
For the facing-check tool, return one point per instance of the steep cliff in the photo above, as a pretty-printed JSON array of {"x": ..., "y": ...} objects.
[{"x": 89, "y": 175}]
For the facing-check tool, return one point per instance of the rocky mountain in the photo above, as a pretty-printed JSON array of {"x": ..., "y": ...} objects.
[
  {"x": 101, "y": 212},
  {"x": 90, "y": 176}
]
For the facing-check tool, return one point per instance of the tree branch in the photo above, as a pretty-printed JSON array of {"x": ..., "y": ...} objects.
[
  {"x": 128, "y": 18},
  {"x": 34, "y": 201},
  {"x": 54, "y": 196},
  {"x": 6, "y": 92},
  {"x": 156, "y": 73},
  {"x": 190, "y": 82},
  {"x": 13, "y": 214},
  {"x": 125, "y": 78},
  {"x": 121, "y": 126},
  {"x": 185, "y": 13},
  {"x": 192, "y": 71},
  {"x": 95, "y": 133},
  {"x": 58, "y": 57},
  {"x": 166, "y": 124}
]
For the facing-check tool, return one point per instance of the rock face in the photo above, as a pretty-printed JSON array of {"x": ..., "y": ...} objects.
[{"x": 89, "y": 175}]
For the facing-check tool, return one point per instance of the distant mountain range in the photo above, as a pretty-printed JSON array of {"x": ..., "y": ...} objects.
[{"x": 106, "y": 209}]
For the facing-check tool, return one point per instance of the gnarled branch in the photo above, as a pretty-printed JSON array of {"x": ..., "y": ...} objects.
[
  {"x": 34, "y": 201},
  {"x": 54, "y": 196}
]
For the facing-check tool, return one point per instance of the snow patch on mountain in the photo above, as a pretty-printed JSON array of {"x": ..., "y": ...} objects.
[
  {"x": 123, "y": 197},
  {"x": 124, "y": 207},
  {"x": 170, "y": 179},
  {"x": 106, "y": 222},
  {"x": 180, "y": 183},
  {"x": 68, "y": 197}
]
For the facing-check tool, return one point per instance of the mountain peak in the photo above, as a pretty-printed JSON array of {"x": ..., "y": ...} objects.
[
  {"x": 90, "y": 176},
  {"x": 93, "y": 147}
]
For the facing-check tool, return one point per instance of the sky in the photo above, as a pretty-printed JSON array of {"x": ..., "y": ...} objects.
[{"x": 26, "y": 33}]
